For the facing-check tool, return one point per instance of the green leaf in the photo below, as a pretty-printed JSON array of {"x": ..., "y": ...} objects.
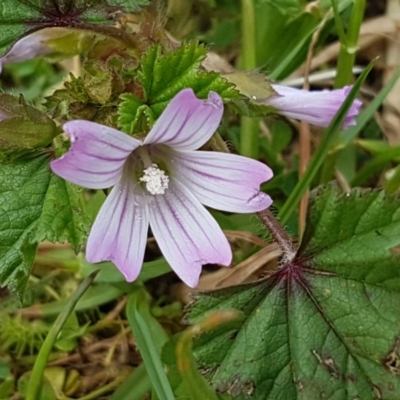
[
  {"x": 7, "y": 387},
  {"x": 325, "y": 325},
  {"x": 135, "y": 387},
  {"x": 20, "y": 17},
  {"x": 99, "y": 85},
  {"x": 34, "y": 205},
  {"x": 133, "y": 115},
  {"x": 22, "y": 190},
  {"x": 62, "y": 219},
  {"x": 4, "y": 370},
  {"x": 150, "y": 337},
  {"x": 164, "y": 75},
  {"x": 23, "y": 128},
  {"x": 47, "y": 391},
  {"x": 255, "y": 88}
]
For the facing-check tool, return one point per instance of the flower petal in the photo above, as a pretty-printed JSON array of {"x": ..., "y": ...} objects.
[
  {"x": 186, "y": 233},
  {"x": 32, "y": 45},
  {"x": 315, "y": 107},
  {"x": 222, "y": 181},
  {"x": 119, "y": 233},
  {"x": 188, "y": 122},
  {"x": 97, "y": 154}
]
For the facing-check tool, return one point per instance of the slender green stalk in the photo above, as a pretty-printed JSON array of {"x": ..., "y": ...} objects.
[
  {"x": 330, "y": 134},
  {"x": 338, "y": 22},
  {"x": 35, "y": 382},
  {"x": 348, "y": 42},
  {"x": 249, "y": 140},
  {"x": 150, "y": 337},
  {"x": 249, "y": 54}
]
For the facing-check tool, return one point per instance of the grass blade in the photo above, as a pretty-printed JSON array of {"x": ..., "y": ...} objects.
[
  {"x": 150, "y": 337},
  {"x": 35, "y": 381}
]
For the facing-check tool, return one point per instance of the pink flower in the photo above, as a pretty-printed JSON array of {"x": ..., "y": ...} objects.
[
  {"x": 32, "y": 45},
  {"x": 315, "y": 107},
  {"x": 163, "y": 181}
]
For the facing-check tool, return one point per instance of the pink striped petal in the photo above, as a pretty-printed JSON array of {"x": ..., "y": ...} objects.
[
  {"x": 223, "y": 181},
  {"x": 119, "y": 233},
  {"x": 97, "y": 154},
  {"x": 186, "y": 233},
  {"x": 315, "y": 107},
  {"x": 188, "y": 122}
]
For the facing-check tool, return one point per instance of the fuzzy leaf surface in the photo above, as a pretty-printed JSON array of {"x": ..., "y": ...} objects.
[
  {"x": 325, "y": 325},
  {"x": 34, "y": 205},
  {"x": 19, "y": 17}
]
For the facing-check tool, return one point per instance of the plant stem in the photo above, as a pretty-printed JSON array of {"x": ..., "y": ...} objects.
[
  {"x": 249, "y": 140},
  {"x": 278, "y": 234},
  {"x": 348, "y": 42},
  {"x": 35, "y": 381}
]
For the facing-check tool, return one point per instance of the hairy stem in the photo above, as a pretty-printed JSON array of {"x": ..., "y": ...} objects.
[{"x": 278, "y": 234}]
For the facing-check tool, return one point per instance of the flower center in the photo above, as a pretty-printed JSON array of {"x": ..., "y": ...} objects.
[{"x": 155, "y": 179}]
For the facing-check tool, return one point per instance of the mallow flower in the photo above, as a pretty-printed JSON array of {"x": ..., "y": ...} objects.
[
  {"x": 163, "y": 182},
  {"x": 32, "y": 45},
  {"x": 315, "y": 107}
]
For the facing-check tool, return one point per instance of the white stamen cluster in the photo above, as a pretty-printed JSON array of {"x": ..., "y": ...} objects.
[{"x": 156, "y": 180}]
